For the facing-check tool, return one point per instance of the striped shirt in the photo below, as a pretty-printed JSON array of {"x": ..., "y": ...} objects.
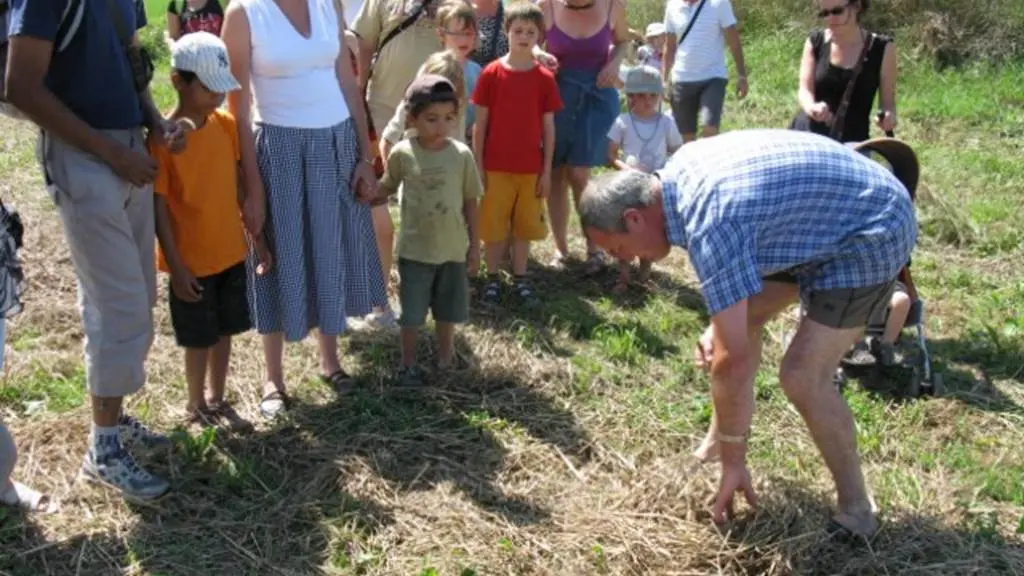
[
  {"x": 748, "y": 204},
  {"x": 701, "y": 56}
]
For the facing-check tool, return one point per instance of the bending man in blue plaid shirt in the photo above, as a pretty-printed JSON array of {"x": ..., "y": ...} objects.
[{"x": 769, "y": 218}]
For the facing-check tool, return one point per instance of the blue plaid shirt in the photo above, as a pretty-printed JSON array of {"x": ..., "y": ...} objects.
[{"x": 748, "y": 204}]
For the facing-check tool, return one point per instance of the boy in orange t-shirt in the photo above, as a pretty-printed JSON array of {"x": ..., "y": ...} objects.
[
  {"x": 202, "y": 242},
  {"x": 513, "y": 140}
]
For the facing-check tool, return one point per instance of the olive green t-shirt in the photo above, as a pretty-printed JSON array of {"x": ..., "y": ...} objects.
[{"x": 435, "y": 187}]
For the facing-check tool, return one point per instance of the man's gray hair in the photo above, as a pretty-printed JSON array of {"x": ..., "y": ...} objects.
[{"x": 610, "y": 194}]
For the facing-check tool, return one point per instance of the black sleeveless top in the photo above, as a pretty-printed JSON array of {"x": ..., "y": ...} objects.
[{"x": 830, "y": 83}]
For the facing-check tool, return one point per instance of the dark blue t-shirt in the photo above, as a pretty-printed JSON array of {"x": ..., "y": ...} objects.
[{"x": 91, "y": 76}]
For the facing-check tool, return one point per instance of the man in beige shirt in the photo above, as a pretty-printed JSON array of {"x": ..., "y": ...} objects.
[{"x": 398, "y": 60}]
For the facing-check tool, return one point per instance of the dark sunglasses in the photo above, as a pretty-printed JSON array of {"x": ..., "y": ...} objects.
[{"x": 833, "y": 11}]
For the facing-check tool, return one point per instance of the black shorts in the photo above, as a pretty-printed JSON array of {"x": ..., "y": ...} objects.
[
  {"x": 222, "y": 311},
  {"x": 841, "y": 307}
]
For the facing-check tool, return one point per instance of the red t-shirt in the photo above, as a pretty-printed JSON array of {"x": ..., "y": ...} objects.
[{"x": 516, "y": 102}]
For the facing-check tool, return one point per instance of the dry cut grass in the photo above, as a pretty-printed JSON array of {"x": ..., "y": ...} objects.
[{"x": 564, "y": 450}]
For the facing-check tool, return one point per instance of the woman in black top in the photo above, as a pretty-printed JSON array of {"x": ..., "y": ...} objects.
[
  {"x": 830, "y": 56},
  {"x": 188, "y": 16}
]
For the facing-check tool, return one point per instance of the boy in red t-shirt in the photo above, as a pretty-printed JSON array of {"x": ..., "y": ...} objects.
[{"x": 513, "y": 140}]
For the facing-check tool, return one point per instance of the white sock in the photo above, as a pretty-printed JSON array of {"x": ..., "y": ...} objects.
[{"x": 105, "y": 439}]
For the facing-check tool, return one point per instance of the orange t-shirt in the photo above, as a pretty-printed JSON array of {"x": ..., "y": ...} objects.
[{"x": 200, "y": 186}]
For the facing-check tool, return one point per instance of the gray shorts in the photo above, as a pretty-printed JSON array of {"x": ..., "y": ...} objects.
[
  {"x": 109, "y": 227},
  {"x": 841, "y": 308},
  {"x": 690, "y": 99}
]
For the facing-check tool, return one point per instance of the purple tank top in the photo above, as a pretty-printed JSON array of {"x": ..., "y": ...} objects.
[{"x": 589, "y": 53}]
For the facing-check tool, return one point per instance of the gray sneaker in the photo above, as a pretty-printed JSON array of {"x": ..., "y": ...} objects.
[
  {"x": 133, "y": 432},
  {"x": 118, "y": 470}
]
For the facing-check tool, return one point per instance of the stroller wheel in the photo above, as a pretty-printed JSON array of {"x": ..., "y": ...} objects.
[
  {"x": 937, "y": 385},
  {"x": 913, "y": 388}
]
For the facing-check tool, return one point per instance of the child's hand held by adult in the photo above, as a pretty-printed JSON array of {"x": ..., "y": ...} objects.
[{"x": 364, "y": 183}]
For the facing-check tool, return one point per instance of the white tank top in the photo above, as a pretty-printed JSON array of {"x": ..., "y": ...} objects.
[{"x": 294, "y": 83}]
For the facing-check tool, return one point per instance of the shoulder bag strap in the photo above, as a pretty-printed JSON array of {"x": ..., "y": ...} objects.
[
  {"x": 408, "y": 22},
  {"x": 693, "y": 19},
  {"x": 836, "y": 133},
  {"x": 499, "y": 27}
]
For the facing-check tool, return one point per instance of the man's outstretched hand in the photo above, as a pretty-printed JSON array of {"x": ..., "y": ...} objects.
[{"x": 735, "y": 478}]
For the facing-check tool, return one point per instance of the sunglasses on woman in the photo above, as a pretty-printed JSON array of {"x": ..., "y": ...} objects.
[{"x": 826, "y": 12}]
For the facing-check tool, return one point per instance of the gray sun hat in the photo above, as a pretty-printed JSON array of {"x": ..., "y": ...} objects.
[{"x": 643, "y": 80}]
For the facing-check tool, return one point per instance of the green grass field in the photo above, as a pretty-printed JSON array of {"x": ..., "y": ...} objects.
[{"x": 566, "y": 451}]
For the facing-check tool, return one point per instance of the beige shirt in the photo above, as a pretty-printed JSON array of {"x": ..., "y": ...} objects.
[
  {"x": 435, "y": 187},
  {"x": 396, "y": 131},
  {"x": 398, "y": 62}
]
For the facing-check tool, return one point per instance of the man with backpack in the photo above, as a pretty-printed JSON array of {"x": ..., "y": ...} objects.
[
  {"x": 693, "y": 66},
  {"x": 75, "y": 68}
]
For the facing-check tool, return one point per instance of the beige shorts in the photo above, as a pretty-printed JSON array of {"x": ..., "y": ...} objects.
[{"x": 109, "y": 227}]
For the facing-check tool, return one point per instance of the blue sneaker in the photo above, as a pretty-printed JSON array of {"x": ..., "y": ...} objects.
[
  {"x": 134, "y": 432},
  {"x": 118, "y": 469}
]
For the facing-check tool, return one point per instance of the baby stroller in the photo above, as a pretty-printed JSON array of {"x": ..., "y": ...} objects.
[{"x": 923, "y": 380}]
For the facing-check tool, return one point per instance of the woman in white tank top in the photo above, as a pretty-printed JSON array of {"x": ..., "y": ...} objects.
[{"x": 307, "y": 167}]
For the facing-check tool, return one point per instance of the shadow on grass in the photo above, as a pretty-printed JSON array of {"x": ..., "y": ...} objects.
[
  {"x": 277, "y": 501},
  {"x": 787, "y": 536},
  {"x": 447, "y": 430},
  {"x": 566, "y": 303}
]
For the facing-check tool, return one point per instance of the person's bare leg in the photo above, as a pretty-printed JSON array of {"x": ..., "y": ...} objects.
[
  {"x": 329, "y": 361},
  {"x": 773, "y": 299},
  {"x": 520, "y": 257},
  {"x": 709, "y": 131},
  {"x": 689, "y": 137},
  {"x": 384, "y": 230},
  {"x": 105, "y": 411},
  {"x": 899, "y": 307},
  {"x": 220, "y": 355},
  {"x": 558, "y": 210},
  {"x": 578, "y": 179},
  {"x": 273, "y": 355},
  {"x": 195, "y": 379},
  {"x": 445, "y": 344},
  {"x": 806, "y": 376},
  {"x": 409, "y": 336},
  {"x": 494, "y": 253}
]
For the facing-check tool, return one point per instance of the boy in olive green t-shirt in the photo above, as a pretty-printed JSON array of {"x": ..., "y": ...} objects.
[{"x": 439, "y": 215}]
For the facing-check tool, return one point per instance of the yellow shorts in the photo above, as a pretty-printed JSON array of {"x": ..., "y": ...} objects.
[{"x": 511, "y": 203}]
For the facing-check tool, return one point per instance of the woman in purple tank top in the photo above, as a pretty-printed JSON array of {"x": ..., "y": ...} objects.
[{"x": 589, "y": 39}]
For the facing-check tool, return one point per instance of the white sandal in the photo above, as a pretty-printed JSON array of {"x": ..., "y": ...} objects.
[{"x": 21, "y": 496}]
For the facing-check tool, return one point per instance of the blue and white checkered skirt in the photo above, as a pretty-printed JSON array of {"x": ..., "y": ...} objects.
[{"x": 326, "y": 265}]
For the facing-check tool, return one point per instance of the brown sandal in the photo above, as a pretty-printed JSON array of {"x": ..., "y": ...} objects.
[{"x": 340, "y": 380}]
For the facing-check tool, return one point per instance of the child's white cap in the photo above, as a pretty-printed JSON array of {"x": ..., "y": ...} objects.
[
  {"x": 643, "y": 80},
  {"x": 654, "y": 29},
  {"x": 205, "y": 55}
]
